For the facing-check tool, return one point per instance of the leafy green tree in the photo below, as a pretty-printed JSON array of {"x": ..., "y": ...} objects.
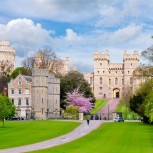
[
  {"x": 71, "y": 81},
  {"x": 7, "y": 109},
  {"x": 19, "y": 70}
]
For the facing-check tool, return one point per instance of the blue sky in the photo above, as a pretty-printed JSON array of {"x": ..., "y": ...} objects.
[{"x": 76, "y": 28}]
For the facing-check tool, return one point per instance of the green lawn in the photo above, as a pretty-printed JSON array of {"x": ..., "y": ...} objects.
[
  {"x": 98, "y": 105},
  {"x": 127, "y": 113},
  {"x": 18, "y": 133},
  {"x": 111, "y": 138}
]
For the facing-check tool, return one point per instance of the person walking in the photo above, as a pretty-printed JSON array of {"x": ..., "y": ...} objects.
[{"x": 88, "y": 120}]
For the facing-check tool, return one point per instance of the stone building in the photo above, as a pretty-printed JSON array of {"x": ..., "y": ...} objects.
[
  {"x": 45, "y": 94},
  {"x": 113, "y": 80},
  {"x": 7, "y": 56},
  {"x": 19, "y": 91}
]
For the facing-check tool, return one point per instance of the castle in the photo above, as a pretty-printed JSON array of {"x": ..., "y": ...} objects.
[
  {"x": 7, "y": 55},
  {"x": 113, "y": 80}
]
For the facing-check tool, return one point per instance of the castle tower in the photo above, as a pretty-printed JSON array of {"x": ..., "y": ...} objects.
[
  {"x": 130, "y": 62},
  {"x": 45, "y": 94},
  {"x": 101, "y": 63},
  {"x": 7, "y": 56}
]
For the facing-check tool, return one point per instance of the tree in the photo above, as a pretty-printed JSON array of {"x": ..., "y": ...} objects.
[
  {"x": 77, "y": 99},
  {"x": 5, "y": 69},
  {"x": 7, "y": 109},
  {"x": 71, "y": 81},
  {"x": 19, "y": 70},
  {"x": 43, "y": 59}
]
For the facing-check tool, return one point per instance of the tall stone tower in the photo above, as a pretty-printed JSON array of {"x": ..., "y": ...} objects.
[
  {"x": 130, "y": 62},
  {"x": 7, "y": 56},
  {"x": 45, "y": 94},
  {"x": 101, "y": 63}
]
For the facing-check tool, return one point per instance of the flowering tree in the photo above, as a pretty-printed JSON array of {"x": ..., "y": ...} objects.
[{"x": 77, "y": 99}]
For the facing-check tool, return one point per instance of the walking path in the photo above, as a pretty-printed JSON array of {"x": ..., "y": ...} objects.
[
  {"x": 109, "y": 108},
  {"x": 80, "y": 131}
]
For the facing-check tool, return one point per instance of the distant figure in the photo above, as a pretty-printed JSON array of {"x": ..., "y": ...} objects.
[
  {"x": 88, "y": 120},
  {"x": 100, "y": 117},
  {"x": 92, "y": 117}
]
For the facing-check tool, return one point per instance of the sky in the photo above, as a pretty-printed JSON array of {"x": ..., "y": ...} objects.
[{"x": 77, "y": 28}]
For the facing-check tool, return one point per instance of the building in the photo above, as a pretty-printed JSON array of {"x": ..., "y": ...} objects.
[
  {"x": 19, "y": 90},
  {"x": 7, "y": 54},
  {"x": 45, "y": 94},
  {"x": 113, "y": 80}
]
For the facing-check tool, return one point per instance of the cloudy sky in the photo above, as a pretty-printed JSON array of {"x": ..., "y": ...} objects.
[{"x": 76, "y": 28}]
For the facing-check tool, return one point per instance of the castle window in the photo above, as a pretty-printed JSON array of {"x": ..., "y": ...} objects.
[
  {"x": 101, "y": 80},
  {"x": 122, "y": 81},
  {"x": 128, "y": 72},
  {"x": 98, "y": 72},
  {"x": 109, "y": 72},
  {"x": 12, "y": 91},
  {"x": 103, "y": 71},
  {"x": 27, "y": 101},
  {"x": 131, "y": 81},
  {"x": 19, "y": 101},
  {"x": 20, "y": 91},
  {"x": 131, "y": 64},
  {"x": 116, "y": 81},
  {"x": 109, "y": 81},
  {"x": 100, "y": 64},
  {"x": 116, "y": 72},
  {"x": 100, "y": 88},
  {"x": 13, "y": 101},
  {"x": 19, "y": 82}
]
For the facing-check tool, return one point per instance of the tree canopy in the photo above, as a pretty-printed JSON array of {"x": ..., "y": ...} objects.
[
  {"x": 71, "y": 81},
  {"x": 43, "y": 59},
  {"x": 7, "y": 109},
  {"x": 19, "y": 70}
]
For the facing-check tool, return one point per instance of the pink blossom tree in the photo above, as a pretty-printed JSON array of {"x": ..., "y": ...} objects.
[{"x": 77, "y": 99}]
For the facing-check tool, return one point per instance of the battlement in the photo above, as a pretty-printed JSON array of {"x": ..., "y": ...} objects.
[
  {"x": 101, "y": 56},
  {"x": 4, "y": 43},
  {"x": 131, "y": 57}
]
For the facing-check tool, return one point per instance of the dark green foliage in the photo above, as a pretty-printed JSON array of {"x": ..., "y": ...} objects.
[
  {"x": 19, "y": 70},
  {"x": 71, "y": 81}
]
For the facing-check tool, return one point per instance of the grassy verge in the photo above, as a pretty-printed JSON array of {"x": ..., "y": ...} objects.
[
  {"x": 127, "y": 113},
  {"x": 98, "y": 105},
  {"x": 28, "y": 132},
  {"x": 111, "y": 138}
]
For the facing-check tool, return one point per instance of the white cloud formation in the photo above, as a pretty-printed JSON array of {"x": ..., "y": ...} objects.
[{"x": 24, "y": 35}]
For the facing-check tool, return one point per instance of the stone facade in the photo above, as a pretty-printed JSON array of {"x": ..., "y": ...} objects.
[
  {"x": 45, "y": 94},
  {"x": 7, "y": 56},
  {"x": 112, "y": 80},
  {"x": 19, "y": 90}
]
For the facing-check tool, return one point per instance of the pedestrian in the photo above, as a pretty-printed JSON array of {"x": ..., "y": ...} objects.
[
  {"x": 100, "y": 117},
  {"x": 88, "y": 120}
]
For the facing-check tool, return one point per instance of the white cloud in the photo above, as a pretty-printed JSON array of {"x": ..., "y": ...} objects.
[{"x": 24, "y": 35}]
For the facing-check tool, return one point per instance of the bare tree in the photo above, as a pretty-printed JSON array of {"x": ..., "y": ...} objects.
[
  {"x": 28, "y": 63},
  {"x": 43, "y": 59}
]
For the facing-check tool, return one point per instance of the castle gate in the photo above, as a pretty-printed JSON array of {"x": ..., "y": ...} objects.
[{"x": 116, "y": 93}]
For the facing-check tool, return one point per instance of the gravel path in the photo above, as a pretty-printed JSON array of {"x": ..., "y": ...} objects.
[{"x": 80, "y": 131}]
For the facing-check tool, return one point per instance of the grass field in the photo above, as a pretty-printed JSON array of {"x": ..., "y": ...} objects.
[
  {"x": 111, "y": 138},
  {"x": 127, "y": 113},
  {"x": 98, "y": 105},
  {"x": 18, "y": 133}
]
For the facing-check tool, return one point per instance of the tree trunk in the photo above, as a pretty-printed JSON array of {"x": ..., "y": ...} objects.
[{"x": 3, "y": 122}]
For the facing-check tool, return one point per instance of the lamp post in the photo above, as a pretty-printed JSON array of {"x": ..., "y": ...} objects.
[{"x": 108, "y": 112}]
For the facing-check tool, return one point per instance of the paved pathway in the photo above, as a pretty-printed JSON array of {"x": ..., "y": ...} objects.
[
  {"x": 80, "y": 131},
  {"x": 110, "y": 107}
]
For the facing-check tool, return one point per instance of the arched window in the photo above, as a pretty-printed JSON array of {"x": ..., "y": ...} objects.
[
  {"x": 109, "y": 81},
  {"x": 101, "y": 79},
  {"x": 116, "y": 81},
  {"x": 131, "y": 81}
]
